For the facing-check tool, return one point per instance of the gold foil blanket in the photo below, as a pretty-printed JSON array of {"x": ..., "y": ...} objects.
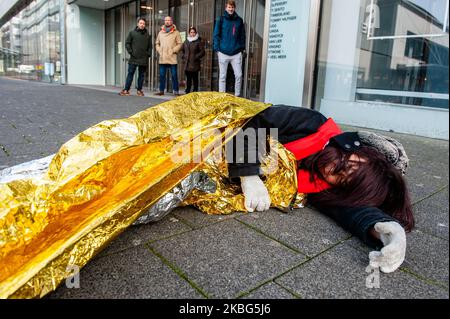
[{"x": 102, "y": 180}]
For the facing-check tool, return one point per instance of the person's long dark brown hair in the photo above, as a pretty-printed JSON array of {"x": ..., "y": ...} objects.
[{"x": 375, "y": 183}]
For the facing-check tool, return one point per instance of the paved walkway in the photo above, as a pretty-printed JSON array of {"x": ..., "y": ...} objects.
[{"x": 262, "y": 255}]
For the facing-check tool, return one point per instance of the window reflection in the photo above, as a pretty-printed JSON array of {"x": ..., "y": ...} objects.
[
  {"x": 31, "y": 43},
  {"x": 399, "y": 61}
]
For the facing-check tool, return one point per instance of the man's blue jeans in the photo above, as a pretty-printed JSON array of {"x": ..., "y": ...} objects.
[
  {"x": 141, "y": 74},
  {"x": 162, "y": 77}
]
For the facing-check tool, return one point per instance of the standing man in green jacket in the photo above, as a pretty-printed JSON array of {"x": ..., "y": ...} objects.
[{"x": 139, "y": 46}]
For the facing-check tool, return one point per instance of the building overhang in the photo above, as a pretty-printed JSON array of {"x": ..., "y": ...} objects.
[
  {"x": 10, "y": 8},
  {"x": 98, "y": 4}
]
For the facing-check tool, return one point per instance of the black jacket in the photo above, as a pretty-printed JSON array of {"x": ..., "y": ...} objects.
[
  {"x": 139, "y": 46},
  {"x": 193, "y": 52},
  {"x": 294, "y": 123}
]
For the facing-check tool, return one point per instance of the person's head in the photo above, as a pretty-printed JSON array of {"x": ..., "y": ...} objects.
[
  {"x": 168, "y": 21},
  {"x": 230, "y": 7},
  {"x": 192, "y": 31},
  {"x": 141, "y": 23},
  {"x": 363, "y": 177}
]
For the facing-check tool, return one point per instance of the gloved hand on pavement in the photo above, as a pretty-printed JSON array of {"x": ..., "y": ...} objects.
[
  {"x": 255, "y": 193},
  {"x": 393, "y": 253}
]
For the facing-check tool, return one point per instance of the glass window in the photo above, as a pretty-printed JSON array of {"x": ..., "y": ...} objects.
[{"x": 399, "y": 55}]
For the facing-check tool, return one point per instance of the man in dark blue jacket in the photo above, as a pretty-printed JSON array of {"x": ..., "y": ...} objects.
[{"x": 229, "y": 42}]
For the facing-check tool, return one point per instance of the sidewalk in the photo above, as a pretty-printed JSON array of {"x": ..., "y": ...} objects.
[
  {"x": 113, "y": 89},
  {"x": 260, "y": 255}
]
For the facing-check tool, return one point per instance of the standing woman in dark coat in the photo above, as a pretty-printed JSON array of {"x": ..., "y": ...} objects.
[{"x": 193, "y": 52}]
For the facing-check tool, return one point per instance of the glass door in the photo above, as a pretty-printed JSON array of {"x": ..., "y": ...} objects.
[
  {"x": 146, "y": 10},
  {"x": 181, "y": 11},
  {"x": 128, "y": 23},
  {"x": 154, "y": 11},
  {"x": 203, "y": 20},
  {"x": 119, "y": 22},
  {"x": 114, "y": 47},
  {"x": 254, "y": 17}
]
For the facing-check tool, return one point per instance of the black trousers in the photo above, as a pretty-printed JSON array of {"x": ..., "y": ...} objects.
[
  {"x": 192, "y": 78},
  {"x": 131, "y": 70}
]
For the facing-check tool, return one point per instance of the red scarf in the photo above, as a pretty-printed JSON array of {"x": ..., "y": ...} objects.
[
  {"x": 172, "y": 29},
  {"x": 307, "y": 146}
]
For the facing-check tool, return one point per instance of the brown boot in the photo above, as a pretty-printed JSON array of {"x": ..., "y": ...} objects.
[
  {"x": 124, "y": 93},
  {"x": 159, "y": 93},
  {"x": 140, "y": 93}
]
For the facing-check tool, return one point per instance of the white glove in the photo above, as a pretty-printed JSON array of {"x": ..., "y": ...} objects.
[
  {"x": 392, "y": 255},
  {"x": 255, "y": 193}
]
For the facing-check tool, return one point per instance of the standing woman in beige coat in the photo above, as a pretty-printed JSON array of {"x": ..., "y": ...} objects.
[{"x": 168, "y": 44}]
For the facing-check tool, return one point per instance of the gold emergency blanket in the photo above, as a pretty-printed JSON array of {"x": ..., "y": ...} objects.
[{"x": 100, "y": 182}]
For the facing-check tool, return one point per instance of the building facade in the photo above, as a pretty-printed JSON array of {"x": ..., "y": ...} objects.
[{"x": 369, "y": 63}]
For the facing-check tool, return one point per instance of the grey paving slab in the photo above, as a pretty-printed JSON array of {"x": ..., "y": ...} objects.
[
  {"x": 270, "y": 291},
  {"x": 428, "y": 171},
  {"x": 20, "y": 137},
  {"x": 422, "y": 185},
  {"x": 142, "y": 234},
  {"x": 20, "y": 153},
  {"x": 432, "y": 213},
  {"x": 304, "y": 229},
  {"x": 39, "y": 134},
  {"x": 357, "y": 244},
  {"x": 167, "y": 227},
  {"x": 20, "y": 158},
  {"x": 228, "y": 258},
  {"x": 197, "y": 219},
  {"x": 428, "y": 256},
  {"x": 135, "y": 273},
  {"x": 10, "y": 135},
  {"x": 40, "y": 149},
  {"x": 340, "y": 273},
  {"x": 4, "y": 126},
  {"x": 126, "y": 240},
  {"x": 4, "y": 160}
]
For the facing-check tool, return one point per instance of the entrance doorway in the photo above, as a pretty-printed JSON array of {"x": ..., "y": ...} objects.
[
  {"x": 119, "y": 22},
  {"x": 254, "y": 18},
  {"x": 186, "y": 13}
]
